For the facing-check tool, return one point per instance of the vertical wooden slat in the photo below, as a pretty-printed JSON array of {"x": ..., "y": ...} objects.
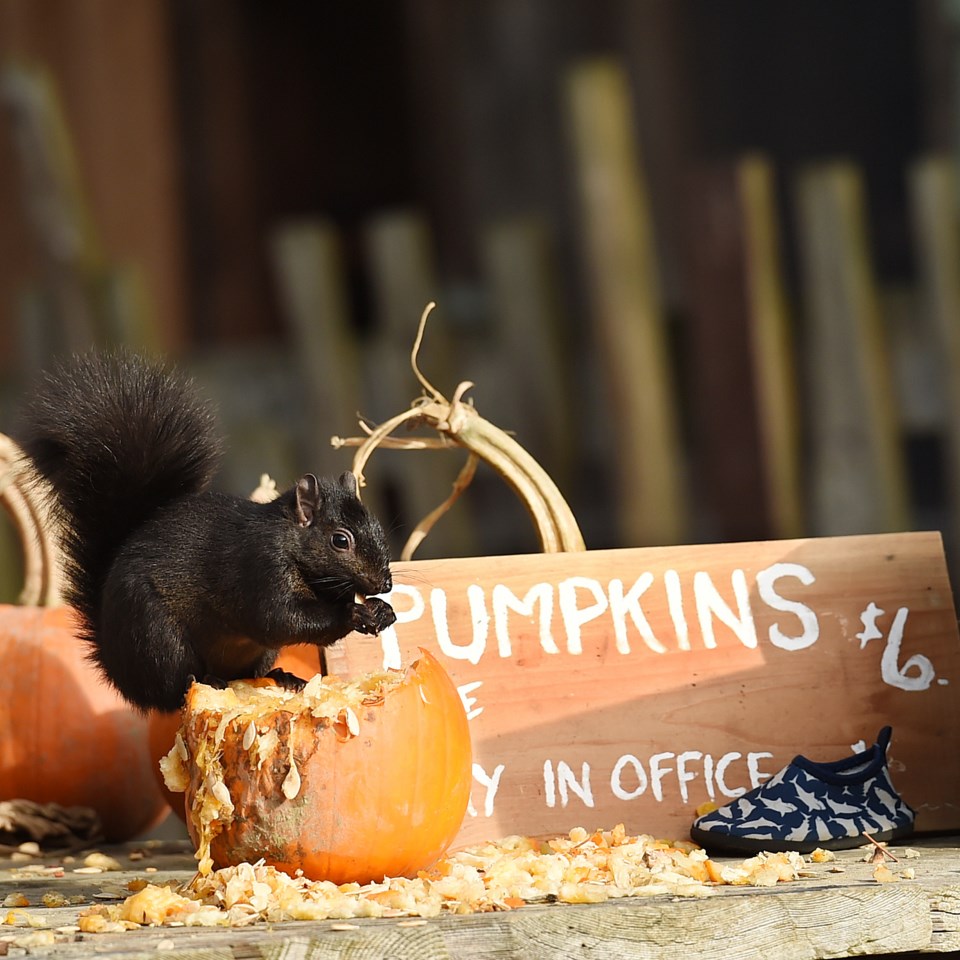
[
  {"x": 935, "y": 201},
  {"x": 857, "y": 475},
  {"x": 110, "y": 65},
  {"x": 63, "y": 232},
  {"x": 773, "y": 351},
  {"x": 401, "y": 264},
  {"x": 78, "y": 297},
  {"x": 434, "y": 39},
  {"x": 228, "y": 272},
  {"x": 727, "y": 474},
  {"x": 312, "y": 283},
  {"x": 520, "y": 266},
  {"x": 626, "y": 307}
]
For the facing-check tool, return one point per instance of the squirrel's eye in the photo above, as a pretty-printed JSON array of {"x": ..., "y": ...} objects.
[{"x": 341, "y": 540}]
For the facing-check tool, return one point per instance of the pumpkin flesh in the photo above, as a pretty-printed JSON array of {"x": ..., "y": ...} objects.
[
  {"x": 346, "y": 781},
  {"x": 302, "y": 660}
]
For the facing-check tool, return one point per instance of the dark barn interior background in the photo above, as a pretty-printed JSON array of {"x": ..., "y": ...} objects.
[{"x": 613, "y": 203}]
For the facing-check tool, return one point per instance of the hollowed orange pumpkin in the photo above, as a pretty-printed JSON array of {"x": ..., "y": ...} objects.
[
  {"x": 375, "y": 786},
  {"x": 300, "y": 659},
  {"x": 66, "y": 736}
]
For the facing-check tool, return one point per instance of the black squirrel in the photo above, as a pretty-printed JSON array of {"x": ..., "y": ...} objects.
[{"x": 172, "y": 581}]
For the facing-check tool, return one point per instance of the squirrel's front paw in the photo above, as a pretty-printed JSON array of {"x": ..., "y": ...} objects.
[
  {"x": 372, "y": 616},
  {"x": 285, "y": 679}
]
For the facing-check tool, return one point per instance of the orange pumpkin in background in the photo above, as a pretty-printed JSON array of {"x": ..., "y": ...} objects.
[
  {"x": 300, "y": 659},
  {"x": 374, "y": 782},
  {"x": 65, "y": 735}
]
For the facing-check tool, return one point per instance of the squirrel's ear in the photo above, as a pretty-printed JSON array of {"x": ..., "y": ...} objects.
[
  {"x": 349, "y": 483},
  {"x": 308, "y": 499}
]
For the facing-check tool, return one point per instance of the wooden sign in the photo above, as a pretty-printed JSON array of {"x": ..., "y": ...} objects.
[{"x": 633, "y": 685}]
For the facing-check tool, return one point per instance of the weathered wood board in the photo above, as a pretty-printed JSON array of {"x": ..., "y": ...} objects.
[
  {"x": 834, "y": 910},
  {"x": 634, "y": 685}
]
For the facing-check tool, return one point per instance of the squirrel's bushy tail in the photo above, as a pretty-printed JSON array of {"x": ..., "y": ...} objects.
[{"x": 116, "y": 438}]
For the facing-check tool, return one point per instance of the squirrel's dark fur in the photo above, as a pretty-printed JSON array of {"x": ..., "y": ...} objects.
[{"x": 172, "y": 581}]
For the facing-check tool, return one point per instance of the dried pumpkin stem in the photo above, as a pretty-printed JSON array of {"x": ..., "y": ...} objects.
[
  {"x": 395, "y": 443},
  {"x": 464, "y": 477},
  {"x": 459, "y": 423},
  {"x": 558, "y": 528},
  {"x": 375, "y": 438},
  {"x": 23, "y": 499},
  {"x": 424, "y": 382}
]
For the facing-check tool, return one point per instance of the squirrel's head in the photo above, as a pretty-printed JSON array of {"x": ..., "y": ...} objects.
[{"x": 342, "y": 543}]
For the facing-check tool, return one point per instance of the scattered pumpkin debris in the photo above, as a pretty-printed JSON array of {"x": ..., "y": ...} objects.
[
  {"x": 883, "y": 874},
  {"x": 579, "y": 868}
]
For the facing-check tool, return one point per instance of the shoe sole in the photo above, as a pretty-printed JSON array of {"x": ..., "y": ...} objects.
[{"x": 737, "y": 845}]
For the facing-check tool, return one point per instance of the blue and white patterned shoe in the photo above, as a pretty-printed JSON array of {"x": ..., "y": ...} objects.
[{"x": 808, "y": 805}]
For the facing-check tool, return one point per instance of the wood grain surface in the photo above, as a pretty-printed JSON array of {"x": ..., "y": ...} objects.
[
  {"x": 835, "y": 910},
  {"x": 634, "y": 685}
]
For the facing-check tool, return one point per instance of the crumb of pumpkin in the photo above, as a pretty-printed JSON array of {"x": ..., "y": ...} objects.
[{"x": 503, "y": 875}]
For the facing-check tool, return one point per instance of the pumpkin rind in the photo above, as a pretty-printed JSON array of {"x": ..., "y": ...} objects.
[
  {"x": 300, "y": 659},
  {"x": 66, "y": 736},
  {"x": 387, "y": 801}
]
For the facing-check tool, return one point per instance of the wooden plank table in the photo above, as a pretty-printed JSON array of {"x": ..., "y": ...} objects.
[{"x": 825, "y": 914}]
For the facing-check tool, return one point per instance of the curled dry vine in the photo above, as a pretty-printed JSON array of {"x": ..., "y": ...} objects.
[{"x": 458, "y": 424}]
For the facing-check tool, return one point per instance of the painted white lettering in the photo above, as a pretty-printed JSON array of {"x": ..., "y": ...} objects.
[
  {"x": 549, "y": 784},
  {"x": 891, "y": 672},
  {"x": 566, "y": 781},
  {"x": 389, "y": 644},
  {"x": 573, "y": 616},
  {"x": 684, "y": 776},
  {"x": 658, "y": 772},
  {"x": 708, "y": 776},
  {"x": 491, "y": 783},
  {"x": 623, "y": 603},
  {"x": 710, "y": 604},
  {"x": 616, "y": 778},
  {"x": 504, "y": 600},
  {"x": 472, "y": 651},
  {"x": 465, "y": 689},
  {"x": 671, "y": 580},
  {"x": 766, "y": 580},
  {"x": 721, "y": 772},
  {"x": 753, "y": 768}
]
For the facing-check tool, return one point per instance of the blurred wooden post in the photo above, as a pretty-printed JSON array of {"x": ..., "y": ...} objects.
[
  {"x": 772, "y": 350},
  {"x": 520, "y": 267},
  {"x": 313, "y": 290},
  {"x": 110, "y": 64},
  {"x": 626, "y": 307},
  {"x": 404, "y": 278},
  {"x": 934, "y": 197},
  {"x": 727, "y": 473},
  {"x": 857, "y": 476},
  {"x": 57, "y": 210},
  {"x": 743, "y": 385},
  {"x": 81, "y": 298}
]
